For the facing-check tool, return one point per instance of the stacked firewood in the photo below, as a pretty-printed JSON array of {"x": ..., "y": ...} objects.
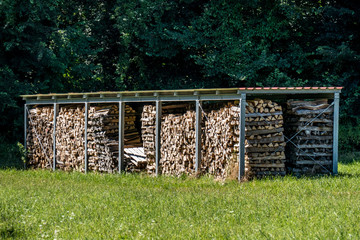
[
  {"x": 135, "y": 159},
  {"x": 310, "y": 150},
  {"x": 148, "y": 121},
  {"x": 103, "y": 136},
  {"x": 170, "y": 114},
  {"x": 219, "y": 152},
  {"x": 264, "y": 140},
  {"x": 264, "y": 144},
  {"x": 70, "y": 129},
  {"x": 178, "y": 144},
  {"x": 39, "y": 138}
]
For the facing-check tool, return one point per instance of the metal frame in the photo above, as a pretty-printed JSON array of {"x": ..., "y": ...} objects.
[
  {"x": 336, "y": 133},
  {"x": 56, "y": 108},
  {"x": 25, "y": 131},
  {"x": 242, "y": 137},
  {"x": 85, "y": 136},
  {"x": 196, "y": 95},
  {"x": 179, "y": 95},
  {"x": 158, "y": 137},
  {"x": 197, "y": 137},
  {"x": 121, "y": 135}
]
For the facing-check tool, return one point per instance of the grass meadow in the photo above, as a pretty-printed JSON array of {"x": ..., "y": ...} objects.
[{"x": 57, "y": 205}]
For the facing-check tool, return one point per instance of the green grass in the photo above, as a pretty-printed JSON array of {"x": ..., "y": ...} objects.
[{"x": 47, "y": 205}]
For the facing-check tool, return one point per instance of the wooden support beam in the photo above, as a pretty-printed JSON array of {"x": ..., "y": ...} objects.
[
  {"x": 336, "y": 132},
  {"x": 85, "y": 137},
  {"x": 242, "y": 136},
  {"x": 121, "y": 135},
  {"x": 56, "y": 109},
  {"x": 198, "y": 137},
  {"x": 158, "y": 136}
]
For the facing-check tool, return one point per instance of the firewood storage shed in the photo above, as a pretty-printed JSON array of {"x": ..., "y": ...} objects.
[{"x": 311, "y": 121}]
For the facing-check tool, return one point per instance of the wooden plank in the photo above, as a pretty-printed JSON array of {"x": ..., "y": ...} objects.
[
  {"x": 266, "y": 140},
  {"x": 264, "y": 122},
  {"x": 315, "y": 146},
  {"x": 264, "y": 173},
  {"x": 271, "y": 157},
  {"x": 312, "y": 112},
  {"x": 306, "y": 119},
  {"x": 302, "y": 103},
  {"x": 174, "y": 106},
  {"x": 314, "y": 154},
  {"x": 263, "y": 114},
  {"x": 271, "y": 165},
  {"x": 264, "y": 131},
  {"x": 310, "y": 162},
  {"x": 264, "y": 149},
  {"x": 319, "y": 138},
  {"x": 311, "y": 107},
  {"x": 314, "y": 128}
]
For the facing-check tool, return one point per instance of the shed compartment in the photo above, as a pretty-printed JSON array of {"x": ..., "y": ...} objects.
[{"x": 309, "y": 127}]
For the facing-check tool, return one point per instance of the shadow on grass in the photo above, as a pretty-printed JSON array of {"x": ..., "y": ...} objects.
[
  {"x": 8, "y": 227},
  {"x": 349, "y": 175},
  {"x": 349, "y": 158},
  {"x": 10, "y": 232},
  {"x": 323, "y": 176},
  {"x": 11, "y": 157}
]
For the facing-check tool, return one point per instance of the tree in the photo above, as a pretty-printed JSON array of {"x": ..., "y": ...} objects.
[{"x": 62, "y": 46}]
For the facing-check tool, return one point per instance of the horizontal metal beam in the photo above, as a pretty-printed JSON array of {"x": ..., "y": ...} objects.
[
  {"x": 203, "y": 91},
  {"x": 175, "y": 98},
  {"x": 137, "y": 99}
]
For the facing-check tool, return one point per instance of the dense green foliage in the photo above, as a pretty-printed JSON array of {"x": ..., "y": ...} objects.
[
  {"x": 46, "y": 205},
  {"x": 61, "y": 46}
]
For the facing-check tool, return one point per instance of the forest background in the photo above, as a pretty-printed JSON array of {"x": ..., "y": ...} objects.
[{"x": 101, "y": 45}]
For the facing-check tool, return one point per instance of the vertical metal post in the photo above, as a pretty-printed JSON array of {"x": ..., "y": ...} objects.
[
  {"x": 242, "y": 136},
  {"x": 121, "y": 135},
  {"x": 25, "y": 131},
  {"x": 158, "y": 136},
  {"x": 197, "y": 136},
  {"x": 85, "y": 136},
  {"x": 56, "y": 107},
  {"x": 336, "y": 133}
]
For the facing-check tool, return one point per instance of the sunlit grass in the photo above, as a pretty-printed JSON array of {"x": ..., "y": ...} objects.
[{"x": 43, "y": 204}]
